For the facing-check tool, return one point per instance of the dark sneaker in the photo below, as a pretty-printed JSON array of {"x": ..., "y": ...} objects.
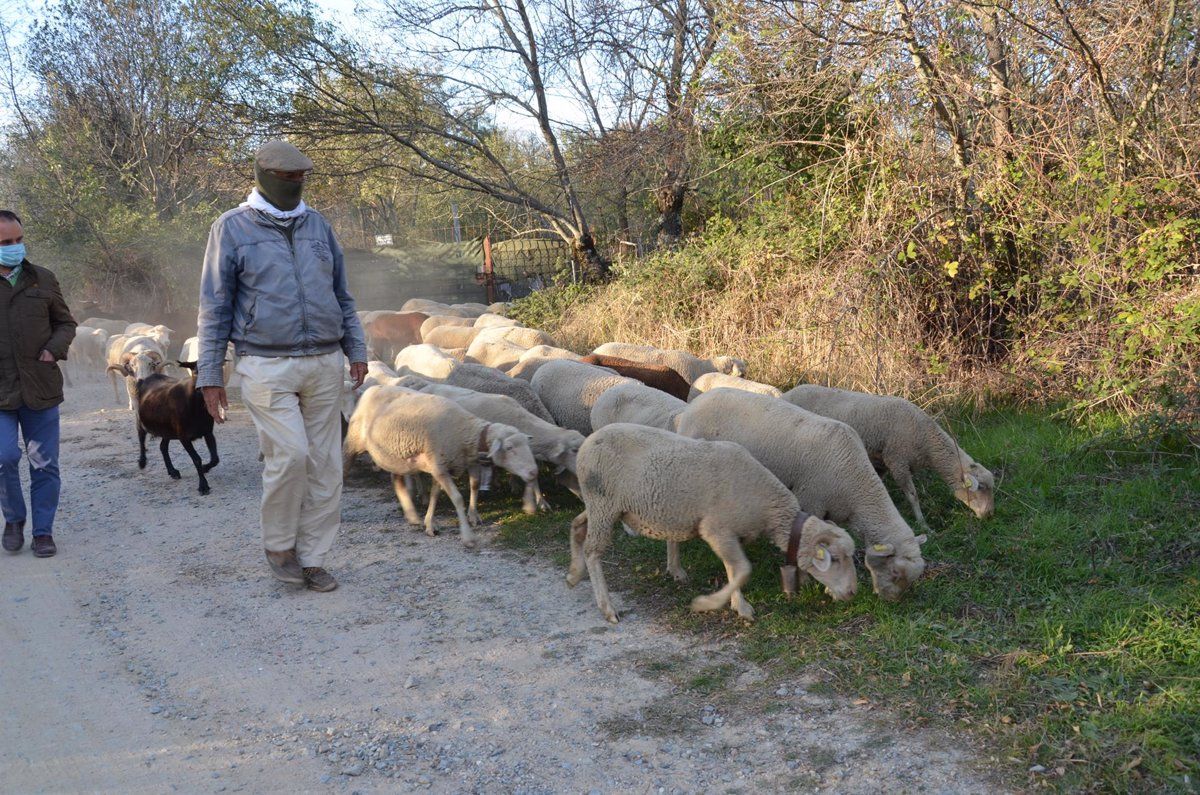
[
  {"x": 317, "y": 579},
  {"x": 14, "y": 536},
  {"x": 43, "y": 546},
  {"x": 285, "y": 567}
]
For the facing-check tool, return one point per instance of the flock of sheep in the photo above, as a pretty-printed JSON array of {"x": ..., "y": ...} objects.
[{"x": 670, "y": 445}]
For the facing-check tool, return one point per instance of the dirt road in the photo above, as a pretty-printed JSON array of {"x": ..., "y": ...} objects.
[{"x": 155, "y": 654}]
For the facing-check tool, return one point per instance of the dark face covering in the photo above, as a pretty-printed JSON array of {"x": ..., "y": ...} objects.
[{"x": 282, "y": 193}]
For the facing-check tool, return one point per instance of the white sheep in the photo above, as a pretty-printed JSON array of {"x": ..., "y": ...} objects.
[
  {"x": 490, "y": 320},
  {"x": 434, "y": 321},
  {"x": 904, "y": 439},
  {"x": 89, "y": 349},
  {"x": 501, "y": 354},
  {"x": 710, "y": 381},
  {"x": 825, "y": 465},
  {"x": 549, "y": 352},
  {"x": 159, "y": 333},
  {"x": 425, "y": 305},
  {"x": 689, "y": 366},
  {"x": 636, "y": 403},
  {"x": 665, "y": 486},
  {"x": 499, "y": 308},
  {"x": 570, "y": 389},
  {"x": 406, "y": 432},
  {"x": 190, "y": 352},
  {"x": 518, "y": 335},
  {"x": 486, "y": 379},
  {"x": 451, "y": 336},
  {"x": 424, "y": 359},
  {"x": 551, "y": 444}
]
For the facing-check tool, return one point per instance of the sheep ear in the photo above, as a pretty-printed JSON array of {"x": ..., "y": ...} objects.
[
  {"x": 822, "y": 559},
  {"x": 880, "y": 550},
  {"x": 921, "y": 539},
  {"x": 495, "y": 447}
]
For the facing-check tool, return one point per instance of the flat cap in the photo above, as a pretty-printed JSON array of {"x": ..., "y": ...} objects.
[{"x": 281, "y": 156}]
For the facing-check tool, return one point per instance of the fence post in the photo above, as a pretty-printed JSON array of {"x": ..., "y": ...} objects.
[{"x": 489, "y": 274}]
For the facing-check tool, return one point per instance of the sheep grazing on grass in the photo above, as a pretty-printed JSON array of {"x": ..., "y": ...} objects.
[
  {"x": 550, "y": 444},
  {"x": 682, "y": 362},
  {"x": 406, "y": 432},
  {"x": 665, "y": 486},
  {"x": 172, "y": 408},
  {"x": 711, "y": 381},
  {"x": 825, "y": 465},
  {"x": 904, "y": 439},
  {"x": 636, "y": 403},
  {"x": 570, "y": 389},
  {"x": 657, "y": 376}
]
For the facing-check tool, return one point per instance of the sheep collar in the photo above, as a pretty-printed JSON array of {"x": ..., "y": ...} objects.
[
  {"x": 482, "y": 452},
  {"x": 793, "y": 548}
]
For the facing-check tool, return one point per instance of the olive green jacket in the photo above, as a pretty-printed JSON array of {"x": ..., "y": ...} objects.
[{"x": 33, "y": 317}]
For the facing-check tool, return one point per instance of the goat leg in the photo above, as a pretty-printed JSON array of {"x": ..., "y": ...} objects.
[
  {"x": 191, "y": 451},
  {"x": 163, "y": 446},
  {"x": 141, "y": 432},
  {"x": 213, "y": 458}
]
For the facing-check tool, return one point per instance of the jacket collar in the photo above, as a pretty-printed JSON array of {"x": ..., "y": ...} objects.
[
  {"x": 262, "y": 219},
  {"x": 26, "y": 278}
]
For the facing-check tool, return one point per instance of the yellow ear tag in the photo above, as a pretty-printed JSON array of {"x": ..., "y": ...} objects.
[
  {"x": 820, "y": 553},
  {"x": 880, "y": 548}
]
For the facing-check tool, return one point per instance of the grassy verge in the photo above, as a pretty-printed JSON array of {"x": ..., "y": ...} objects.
[{"x": 1063, "y": 633}]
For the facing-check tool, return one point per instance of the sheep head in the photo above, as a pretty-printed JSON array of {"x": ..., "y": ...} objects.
[
  {"x": 827, "y": 555},
  {"x": 565, "y": 451},
  {"x": 730, "y": 365},
  {"x": 977, "y": 490},
  {"x": 509, "y": 448},
  {"x": 893, "y": 569}
]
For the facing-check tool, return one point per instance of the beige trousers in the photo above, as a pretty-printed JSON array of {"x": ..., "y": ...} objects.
[{"x": 296, "y": 404}]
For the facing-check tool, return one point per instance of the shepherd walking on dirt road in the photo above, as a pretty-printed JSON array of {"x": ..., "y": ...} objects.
[
  {"x": 37, "y": 330},
  {"x": 274, "y": 283}
]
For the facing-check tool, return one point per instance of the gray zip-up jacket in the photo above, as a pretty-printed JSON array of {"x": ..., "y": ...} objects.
[{"x": 271, "y": 296}]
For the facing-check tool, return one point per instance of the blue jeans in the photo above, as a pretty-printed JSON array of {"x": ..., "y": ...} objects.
[{"x": 40, "y": 429}]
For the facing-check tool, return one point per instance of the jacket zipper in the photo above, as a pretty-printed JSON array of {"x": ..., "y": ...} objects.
[{"x": 299, "y": 282}]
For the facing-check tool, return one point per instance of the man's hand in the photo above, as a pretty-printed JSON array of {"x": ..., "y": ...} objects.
[
  {"x": 215, "y": 401},
  {"x": 358, "y": 372},
  {"x": 48, "y": 357}
]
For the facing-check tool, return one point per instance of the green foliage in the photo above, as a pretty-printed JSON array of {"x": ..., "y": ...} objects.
[
  {"x": 1064, "y": 631},
  {"x": 541, "y": 307}
]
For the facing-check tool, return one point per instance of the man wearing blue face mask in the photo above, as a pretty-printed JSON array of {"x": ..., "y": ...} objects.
[{"x": 36, "y": 328}]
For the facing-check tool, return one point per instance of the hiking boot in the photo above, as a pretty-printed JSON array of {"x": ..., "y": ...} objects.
[
  {"x": 14, "y": 536},
  {"x": 285, "y": 567},
  {"x": 317, "y": 579},
  {"x": 43, "y": 546}
]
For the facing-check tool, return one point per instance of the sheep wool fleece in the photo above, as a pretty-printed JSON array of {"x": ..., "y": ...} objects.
[{"x": 295, "y": 402}]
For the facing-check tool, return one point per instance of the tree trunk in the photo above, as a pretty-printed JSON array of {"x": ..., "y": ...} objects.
[
  {"x": 668, "y": 200},
  {"x": 593, "y": 268}
]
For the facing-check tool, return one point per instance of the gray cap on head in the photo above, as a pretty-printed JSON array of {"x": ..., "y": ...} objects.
[{"x": 282, "y": 156}]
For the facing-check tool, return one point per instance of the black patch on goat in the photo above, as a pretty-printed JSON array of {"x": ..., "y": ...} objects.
[{"x": 172, "y": 408}]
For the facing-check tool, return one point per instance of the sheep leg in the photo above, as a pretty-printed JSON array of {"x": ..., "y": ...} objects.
[
  {"x": 112, "y": 376},
  {"x": 532, "y": 500},
  {"x": 430, "y": 527},
  {"x": 737, "y": 601},
  {"x": 674, "y": 567},
  {"x": 131, "y": 388},
  {"x": 443, "y": 479},
  {"x": 192, "y": 454},
  {"x": 163, "y": 445},
  {"x": 737, "y": 567},
  {"x": 579, "y": 531},
  {"x": 473, "y": 499},
  {"x": 400, "y": 484},
  {"x": 903, "y": 476},
  {"x": 599, "y": 536},
  {"x": 213, "y": 459}
]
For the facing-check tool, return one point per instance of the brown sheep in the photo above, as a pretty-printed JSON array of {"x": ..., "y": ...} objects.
[
  {"x": 652, "y": 375},
  {"x": 388, "y": 333}
]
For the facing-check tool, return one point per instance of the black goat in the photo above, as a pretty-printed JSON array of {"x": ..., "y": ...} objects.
[{"x": 173, "y": 408}]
